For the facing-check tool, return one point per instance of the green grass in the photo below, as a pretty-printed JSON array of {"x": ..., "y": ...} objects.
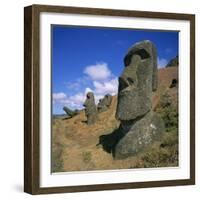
[
  {"x": 168, "y": 110},
  {"x": 166, "y": 152}
]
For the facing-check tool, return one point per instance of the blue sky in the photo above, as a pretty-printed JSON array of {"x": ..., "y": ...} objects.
[{"x": 91, "y": 59}]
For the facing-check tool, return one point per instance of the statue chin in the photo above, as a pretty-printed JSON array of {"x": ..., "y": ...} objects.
[{"x": 132, "y": 106}]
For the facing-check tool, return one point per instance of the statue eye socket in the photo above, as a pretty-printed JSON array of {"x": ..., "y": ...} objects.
[
  {"x": 141, "y": 52},
  {"x": 125, "y": 82},
  {"x": 130, "y": 81}
]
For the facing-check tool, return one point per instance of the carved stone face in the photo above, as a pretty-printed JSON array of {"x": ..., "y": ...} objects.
[
  {"x": 89, "y": 98},
  {"x": 104, "y": 103},
  {"x": 137, "y": 81},
  {"x": 89, "y": 102}
]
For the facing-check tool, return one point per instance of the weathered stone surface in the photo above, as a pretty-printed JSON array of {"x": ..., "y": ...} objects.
[
  {"x": 69, "y": 112},
  {"x": 173, "y": 62},
  {"x": 140, "y": 126},
  {"x": 137, "y": 81},
  {"x": 138, "y": 135},
  {"x": 90, "y": 108},
  {"x": 104, "y": 103}
]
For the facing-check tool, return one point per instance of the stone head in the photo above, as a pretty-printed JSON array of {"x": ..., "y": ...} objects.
[
  {"x": 90, "y": 108},
  {"x": 89, "y": 99},
  {"x": 108, "y": 98},
  {"x": 137, "y": 81}
]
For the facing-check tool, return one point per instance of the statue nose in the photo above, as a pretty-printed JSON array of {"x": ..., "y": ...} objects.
[
  {"x": 122, "y": 83},
  {"x": 125, "y": 82}
]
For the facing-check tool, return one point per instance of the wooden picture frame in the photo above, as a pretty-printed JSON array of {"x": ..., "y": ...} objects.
[{"x": 32, "y": 105}]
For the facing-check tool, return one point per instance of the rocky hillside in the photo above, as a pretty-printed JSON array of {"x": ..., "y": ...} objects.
[
  {"x": 74, "y": 143},
  {"x": 173, "y": 62}
]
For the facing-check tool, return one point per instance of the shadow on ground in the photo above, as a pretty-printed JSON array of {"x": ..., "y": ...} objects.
[{"x": 110, "y": 141}]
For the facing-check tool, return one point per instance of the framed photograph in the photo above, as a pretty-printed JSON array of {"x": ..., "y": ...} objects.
[{"x": 109, "y": 99}]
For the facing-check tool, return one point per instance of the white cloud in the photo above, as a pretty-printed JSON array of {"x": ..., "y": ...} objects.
[
  {"x": 103, "y": 88},
  {"x": 59, "y": 97},
  {"x": 100, "y": 71},
  {"x": 73, "y": 101},
  {"x": 76, "y": 101},
  {"x": 162, "y": 62},
  {"x": 106, "y": 87},
  {"x": 79, "y": 98},
  {"x": 88, "y": 90}
]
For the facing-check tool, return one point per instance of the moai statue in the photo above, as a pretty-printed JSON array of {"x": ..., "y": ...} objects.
[
  {"x": 108, "y": 100},
  {"x": 90, "y": 108},
  {"x": 139, "y": 126},
  {"x": 104, "y": 103},
  {"x": 69, "y": 112}
]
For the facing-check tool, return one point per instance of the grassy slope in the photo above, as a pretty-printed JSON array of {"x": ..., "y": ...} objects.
[{"x": 74, "y": 142}]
